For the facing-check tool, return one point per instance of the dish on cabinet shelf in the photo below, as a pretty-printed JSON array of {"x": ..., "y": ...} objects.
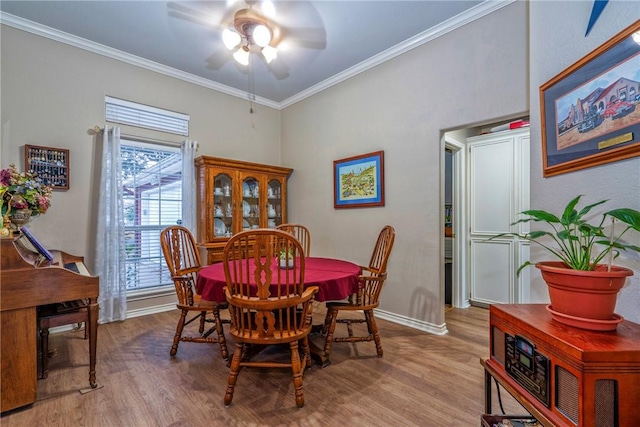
[
  {"x": 246, "y": 190},
  {"x": 246, "y": 208},
  {"x": 218, "y": 191},
  {"x": 219, "y": 228}
]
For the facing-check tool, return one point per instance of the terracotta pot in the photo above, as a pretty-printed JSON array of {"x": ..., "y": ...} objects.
[{"x": 584, "y": 294}]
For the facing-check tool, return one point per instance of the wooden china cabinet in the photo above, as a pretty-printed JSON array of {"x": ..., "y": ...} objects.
[{"x": 234, "y": 196}]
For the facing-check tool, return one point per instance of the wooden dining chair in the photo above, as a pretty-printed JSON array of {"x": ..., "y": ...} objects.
[
  {"x": 268, "y": 304},
  {"x": 367, "y": 298},
  {"x": 300, "y": 232},
  {"x": 183, "y": 262}
]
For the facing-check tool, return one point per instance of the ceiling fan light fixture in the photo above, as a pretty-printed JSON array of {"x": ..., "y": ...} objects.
[
  {"x": 261, "y": 35},
  {"x": 231, "y": 39},
  {"x": 241, "y": 56},
  {"x": 270, "y": 53}
]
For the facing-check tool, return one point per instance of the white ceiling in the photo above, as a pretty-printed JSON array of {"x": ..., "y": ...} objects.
[{"x": 328, "y": 41}]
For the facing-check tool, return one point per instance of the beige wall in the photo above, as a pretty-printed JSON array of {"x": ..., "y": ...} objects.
[
  {"x": 473, "y": 75},
  {"x": 558, "y": 41},
  {"x": 52, "y": 94}
]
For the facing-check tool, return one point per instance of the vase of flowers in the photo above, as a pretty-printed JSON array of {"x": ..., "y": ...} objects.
[
  {"x": 286, "y": 258},
  {"x": 22, "y": 196}
]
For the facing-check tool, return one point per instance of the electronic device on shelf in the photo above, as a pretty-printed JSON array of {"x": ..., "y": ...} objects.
[
  {"x": 527, "y": 366},
  {"x": 564, "y": 376}
]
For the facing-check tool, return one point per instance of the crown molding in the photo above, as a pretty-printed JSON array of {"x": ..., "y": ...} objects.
[
  {"x": 79, "y": 42},
  {"x": 439, "y": 30},
  {"x": 464, "y": 18}
]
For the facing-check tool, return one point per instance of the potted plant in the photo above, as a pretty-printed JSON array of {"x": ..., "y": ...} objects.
[
  {"x": 23, "y": 195},
  {"x": 286, "y": 258},
  {"x": 583, "y": 284}
]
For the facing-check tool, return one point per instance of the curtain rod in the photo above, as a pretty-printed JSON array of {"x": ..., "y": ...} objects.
[{"x": 97, "y": 129}]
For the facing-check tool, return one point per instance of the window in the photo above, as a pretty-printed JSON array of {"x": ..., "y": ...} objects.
[{"x": 152, "y": 180}]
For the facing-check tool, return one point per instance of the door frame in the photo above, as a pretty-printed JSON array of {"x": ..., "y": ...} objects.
[{"x": 459, "y": 289}]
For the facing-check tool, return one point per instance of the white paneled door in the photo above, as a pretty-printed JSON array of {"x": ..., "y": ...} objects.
[{"x": 498, "y": 191}]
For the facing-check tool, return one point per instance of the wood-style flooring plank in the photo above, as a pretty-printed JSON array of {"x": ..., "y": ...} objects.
[{"x": 422, "y": 380}]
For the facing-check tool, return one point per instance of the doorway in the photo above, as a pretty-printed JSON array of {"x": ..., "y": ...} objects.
[
  {"x": 457, "y": 271},
  {"x": 454, "y": 206}
]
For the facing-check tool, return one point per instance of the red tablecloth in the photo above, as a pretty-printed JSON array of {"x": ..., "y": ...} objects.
[{"x": 336, "y": 279}]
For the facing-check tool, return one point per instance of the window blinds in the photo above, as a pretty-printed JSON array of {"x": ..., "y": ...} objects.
[{"x": 144, "y": 116}]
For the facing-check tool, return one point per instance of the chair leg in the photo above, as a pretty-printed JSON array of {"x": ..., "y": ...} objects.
[
  {"x": 233, "y": 373},
  {"x": 44, "y": 346},
  {"x": 306, "y": 352},
  {"x": 296, "y": 367},
  {"x": 222, "y": 342},
  {"x": 178, "y": 335},
  {"x": 203, "y": 318},
  {"x": 330, "y": 324},
  {"x": 373, "y": 330}
]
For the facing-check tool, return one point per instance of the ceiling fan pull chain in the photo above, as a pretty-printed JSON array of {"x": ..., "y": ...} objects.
[{"x": 251, "y": 86}]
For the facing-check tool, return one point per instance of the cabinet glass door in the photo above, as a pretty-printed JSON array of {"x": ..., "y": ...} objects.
[
  {"x": 274, "y": 203},
  {"x": 250, "y": 203},
  {"x": 222, "y": 205}
]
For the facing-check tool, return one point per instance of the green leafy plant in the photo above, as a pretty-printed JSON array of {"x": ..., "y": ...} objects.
[
  {"x": 579, "y": 244},
  {"x": 286, "y": 253}
]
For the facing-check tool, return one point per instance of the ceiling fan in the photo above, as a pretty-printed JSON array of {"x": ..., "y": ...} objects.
[
  {"x": 253, "y": 32},
  {"x": 256, "y": 28}
]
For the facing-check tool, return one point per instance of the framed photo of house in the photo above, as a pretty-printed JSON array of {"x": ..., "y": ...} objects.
[
  {"x": 358, "y": 182},
  {"x": 590, "y": 113}
]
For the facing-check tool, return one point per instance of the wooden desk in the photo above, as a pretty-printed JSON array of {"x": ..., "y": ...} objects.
[
  {"x": 593, "y": 377},
  {"x": 24, "y": 287}
]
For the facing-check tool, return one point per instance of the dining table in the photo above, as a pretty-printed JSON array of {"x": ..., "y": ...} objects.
[{"x": 336, "y": 280}]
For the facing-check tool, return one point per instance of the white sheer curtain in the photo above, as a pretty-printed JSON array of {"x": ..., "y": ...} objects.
[
  {"x": 110, "y": 251},
  {"x": 188, "y": 150}
]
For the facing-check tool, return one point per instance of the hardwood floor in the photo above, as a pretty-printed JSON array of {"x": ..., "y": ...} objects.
[{"x": 422, "y": 380}]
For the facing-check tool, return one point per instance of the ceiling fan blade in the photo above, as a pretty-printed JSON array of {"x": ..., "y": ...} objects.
[
  {"x": 204, "y": 13},
  {"x": 189, "y": 17},
  {"x": 217, "y": 59},
  {"x": 311, "y": 38},
  {"x": 278, "y": 68}
]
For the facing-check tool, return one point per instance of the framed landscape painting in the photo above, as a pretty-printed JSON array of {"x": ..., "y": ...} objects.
[
  {"x": 358, "y": 181},
  {"x": 590, "y": 113}
]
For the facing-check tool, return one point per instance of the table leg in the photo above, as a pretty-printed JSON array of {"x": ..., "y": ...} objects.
[
  {"x": 487, "y": 392},
  {"x": 317, "y": 352}
]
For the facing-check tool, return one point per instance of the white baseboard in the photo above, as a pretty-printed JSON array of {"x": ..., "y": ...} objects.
[
  {"x": 150, "y": 310},
  {"x": 412, "y": 323}
]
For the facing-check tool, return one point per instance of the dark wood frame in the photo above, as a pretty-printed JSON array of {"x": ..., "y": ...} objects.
[
  {"x": 56, "y": 164},
  {"x": 377, "y": 157},
  {"x": 585, "y": 140}
]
